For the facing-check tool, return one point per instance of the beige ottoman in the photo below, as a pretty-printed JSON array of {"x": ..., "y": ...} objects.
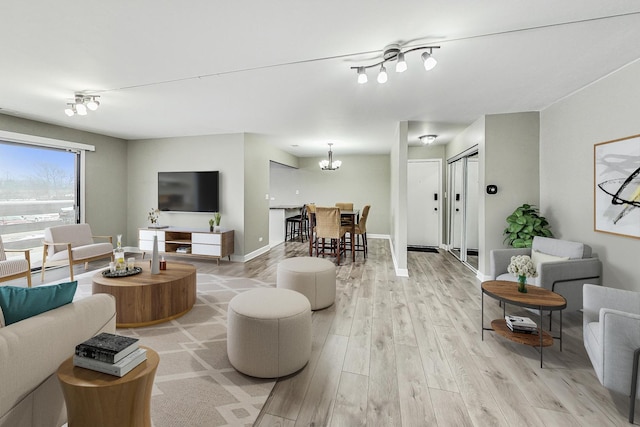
[
  {"x": 269, "y": 332},
  {"x": 313, "y": 277}
]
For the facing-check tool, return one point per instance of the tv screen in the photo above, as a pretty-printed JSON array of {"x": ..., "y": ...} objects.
[{"x": 188, "y": 191}]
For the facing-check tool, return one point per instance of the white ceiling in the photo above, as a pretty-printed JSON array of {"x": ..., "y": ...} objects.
[{"x": 282, "y": 68}]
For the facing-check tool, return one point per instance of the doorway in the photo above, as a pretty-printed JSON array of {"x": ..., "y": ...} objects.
[
  {"x": 424, "y": 204},
  {"x": 463, "y": 234}
]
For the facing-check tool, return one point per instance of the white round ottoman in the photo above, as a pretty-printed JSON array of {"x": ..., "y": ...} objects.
[
  {"x": 313, "y": 277},
  {"x": 269, "y": 332}
]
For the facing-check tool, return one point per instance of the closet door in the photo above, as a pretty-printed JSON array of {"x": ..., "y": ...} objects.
[{"x": 463, "y": 207}]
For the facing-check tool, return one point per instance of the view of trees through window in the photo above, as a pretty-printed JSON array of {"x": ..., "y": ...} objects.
[{"x": 38, "y": 188}]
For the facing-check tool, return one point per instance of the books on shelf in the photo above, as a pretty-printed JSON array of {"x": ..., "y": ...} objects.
[
  {"x": 184, "y": 250},
  {"x": 119, "y": 369},
  {"x": 106, "y": 347},
  {"x": 521, "y": 324}
]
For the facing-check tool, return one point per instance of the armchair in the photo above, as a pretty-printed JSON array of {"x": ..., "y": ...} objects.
[
  {"x": 73, "y": 244},
  {"x": 562, "y": 266},
  {"x": 15, "y": 267},
  {"x": 611, "y": 334}
]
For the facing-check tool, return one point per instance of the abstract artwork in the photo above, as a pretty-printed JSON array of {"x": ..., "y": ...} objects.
[{"x": 617, "y": 186}]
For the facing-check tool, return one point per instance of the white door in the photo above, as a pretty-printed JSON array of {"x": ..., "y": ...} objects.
[{"x": 424, "y": 203}]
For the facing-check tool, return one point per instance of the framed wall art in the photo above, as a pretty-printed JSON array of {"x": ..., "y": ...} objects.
[{"x": 617, "y": 186}]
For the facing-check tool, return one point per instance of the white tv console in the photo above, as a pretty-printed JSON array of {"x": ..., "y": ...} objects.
[{"x": 194, "y": 242}]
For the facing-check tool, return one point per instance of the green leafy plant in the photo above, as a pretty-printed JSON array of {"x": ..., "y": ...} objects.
[
  {"x": 217, "y": 217},
  {"x": 211, "y": 222},
  {"x": 523, "y": 224}
]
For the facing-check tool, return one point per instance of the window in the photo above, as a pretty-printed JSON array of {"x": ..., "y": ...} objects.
[{"x": 39, "y": 188}]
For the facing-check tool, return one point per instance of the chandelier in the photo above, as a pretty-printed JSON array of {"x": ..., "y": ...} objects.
[
  {"x": 393, "y": 52},
  {"x": 330, "y": 164},
  {"x": 81, "y": 104}
]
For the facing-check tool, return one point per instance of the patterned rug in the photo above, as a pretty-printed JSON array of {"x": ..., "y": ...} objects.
[{"x": 195, "y": 384}]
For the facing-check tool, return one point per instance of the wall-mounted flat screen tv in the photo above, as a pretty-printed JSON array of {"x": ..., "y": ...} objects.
[{"x": 188, "y": 191}]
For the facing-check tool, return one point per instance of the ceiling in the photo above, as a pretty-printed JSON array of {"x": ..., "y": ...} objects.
[{"x": 282, "y": 69}]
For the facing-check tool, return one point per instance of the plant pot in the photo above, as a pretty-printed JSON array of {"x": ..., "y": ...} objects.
[{"x": 211, "y": 228}]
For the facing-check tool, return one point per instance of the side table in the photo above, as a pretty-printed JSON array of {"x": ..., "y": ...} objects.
[
  {"x": 97, "y": 399},
  {"x": 537, "y": 298}
]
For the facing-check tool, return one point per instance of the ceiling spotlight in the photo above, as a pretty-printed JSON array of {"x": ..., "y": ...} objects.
[
  {"x": 429, "y": 61},
  {"x": 70, "y": 110},
  {"x": 362, "y": 75},
  {"x": 81, "y": 109},
  {"x": 428, "y": 139},
  {"x": 401, "y": 65},
  {"x": 93, "y": 104},
  {"x": 394, "y": 52},
  {"x": 382, "y": 75}
]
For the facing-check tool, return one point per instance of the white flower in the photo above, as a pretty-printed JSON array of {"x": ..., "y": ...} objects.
[{"x": 521, "y": 265}]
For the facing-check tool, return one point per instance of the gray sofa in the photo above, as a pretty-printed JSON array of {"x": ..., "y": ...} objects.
[
  {"x": 31, "y": 351},
  {"x": 564, "y": 277}
]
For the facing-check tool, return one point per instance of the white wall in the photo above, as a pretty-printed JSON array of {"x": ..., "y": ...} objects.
[{"x": 606, "y": 110}]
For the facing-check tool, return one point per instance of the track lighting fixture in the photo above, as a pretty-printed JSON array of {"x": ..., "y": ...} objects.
[
  {"x": 330, "y": 164},
  {"x": 81, "y": 104},
  {"x": 393, "y": 52},
  {"x": 428, "y": 139}
]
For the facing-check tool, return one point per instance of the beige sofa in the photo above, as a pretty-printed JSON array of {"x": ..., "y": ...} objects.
[{"x": 31, "y": 351}]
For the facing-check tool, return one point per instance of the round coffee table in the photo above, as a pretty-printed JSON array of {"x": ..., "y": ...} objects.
[
  {"x": 146, "y": 299},
  {"x": 94, "y": 398},
  {"x": 536, "y": 297}
]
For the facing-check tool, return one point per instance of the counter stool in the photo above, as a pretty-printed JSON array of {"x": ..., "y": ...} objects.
[
  {"x": 269, "y": 332},
  {"x": 315, "y": 278}
]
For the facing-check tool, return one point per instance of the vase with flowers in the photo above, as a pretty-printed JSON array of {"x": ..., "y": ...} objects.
[
  {"x": 153, "y": 215},
  {"x": 522, "y": 267}
]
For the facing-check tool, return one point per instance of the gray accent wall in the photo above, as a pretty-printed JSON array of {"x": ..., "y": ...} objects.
[{"x": 606, "y": 110}]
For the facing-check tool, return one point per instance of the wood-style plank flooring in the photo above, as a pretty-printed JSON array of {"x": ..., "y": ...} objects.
[{"x": 396, "y": 351}]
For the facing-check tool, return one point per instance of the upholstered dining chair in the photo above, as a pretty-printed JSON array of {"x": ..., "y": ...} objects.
[
  {"x": 611, "y": 334},
  {"x": 14, "y": 268},
  {"x": 361, "y": 231},
  {"x": 328, "y": 226}
]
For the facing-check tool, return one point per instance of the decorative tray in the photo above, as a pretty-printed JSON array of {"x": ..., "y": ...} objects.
[{"x": 108, "y": 273}]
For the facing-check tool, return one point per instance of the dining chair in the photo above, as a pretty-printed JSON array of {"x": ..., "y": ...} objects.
[
  {"x": 328, "y": 226},
  {"x": 311, "y": 217},
  {"x": 297, "y": 225},
  {"x": 347, "y": 221},
  {"x": 361, "y": 231}
]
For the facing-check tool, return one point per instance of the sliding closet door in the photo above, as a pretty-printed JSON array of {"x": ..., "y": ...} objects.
[{"x": 463, "y": 207}]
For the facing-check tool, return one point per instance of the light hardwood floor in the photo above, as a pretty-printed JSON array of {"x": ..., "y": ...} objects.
[{"x": 395, "y": 351}]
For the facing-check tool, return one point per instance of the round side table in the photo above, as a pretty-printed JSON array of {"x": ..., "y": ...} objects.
[{"x": 94, "y": 398}]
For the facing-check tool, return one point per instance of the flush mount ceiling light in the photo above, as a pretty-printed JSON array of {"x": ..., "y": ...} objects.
[
  {"x": 428, "y": 139},
  {"x": 330, "y": 164},
  {"x": 81, "y": 104},
  {"x": 394, "y": 52}
]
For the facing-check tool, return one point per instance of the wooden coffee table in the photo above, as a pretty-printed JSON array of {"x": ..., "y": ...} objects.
[
  {"x": 536, "y": 297},
  {"x": 146, "y": 299},
  {"x": 94, "y": 398}
]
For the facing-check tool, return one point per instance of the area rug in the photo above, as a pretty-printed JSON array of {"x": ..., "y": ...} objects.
[{"x": 195, "y": 384}]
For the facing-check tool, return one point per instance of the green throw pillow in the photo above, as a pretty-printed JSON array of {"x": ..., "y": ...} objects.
[{"x": 20, "y": 303}]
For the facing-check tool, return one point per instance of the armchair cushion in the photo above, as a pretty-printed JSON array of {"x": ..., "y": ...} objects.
[
  {"x": 20, "y": 303},
  {"x": 562, "y": 248},
  {"x": 540, "y": 257}
]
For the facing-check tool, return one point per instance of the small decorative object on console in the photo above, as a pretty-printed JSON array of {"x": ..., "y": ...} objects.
[
  {"x": 118, "y": 255},
  {"x": 522, "y": 267}
]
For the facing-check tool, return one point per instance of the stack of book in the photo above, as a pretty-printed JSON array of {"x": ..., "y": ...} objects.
[
  {"x": 109, "y": 354},
  {"x": 521, "y": 324}
]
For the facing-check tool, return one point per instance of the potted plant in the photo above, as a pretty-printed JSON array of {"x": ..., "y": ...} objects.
[
  {"x": 211, "y": 224},
  {"x": 523, "y": 224},
  {"x": 217, "y": 217}
]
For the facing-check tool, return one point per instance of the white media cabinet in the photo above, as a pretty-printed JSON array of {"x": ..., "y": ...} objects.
[{"x": 194, "y": 242}]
